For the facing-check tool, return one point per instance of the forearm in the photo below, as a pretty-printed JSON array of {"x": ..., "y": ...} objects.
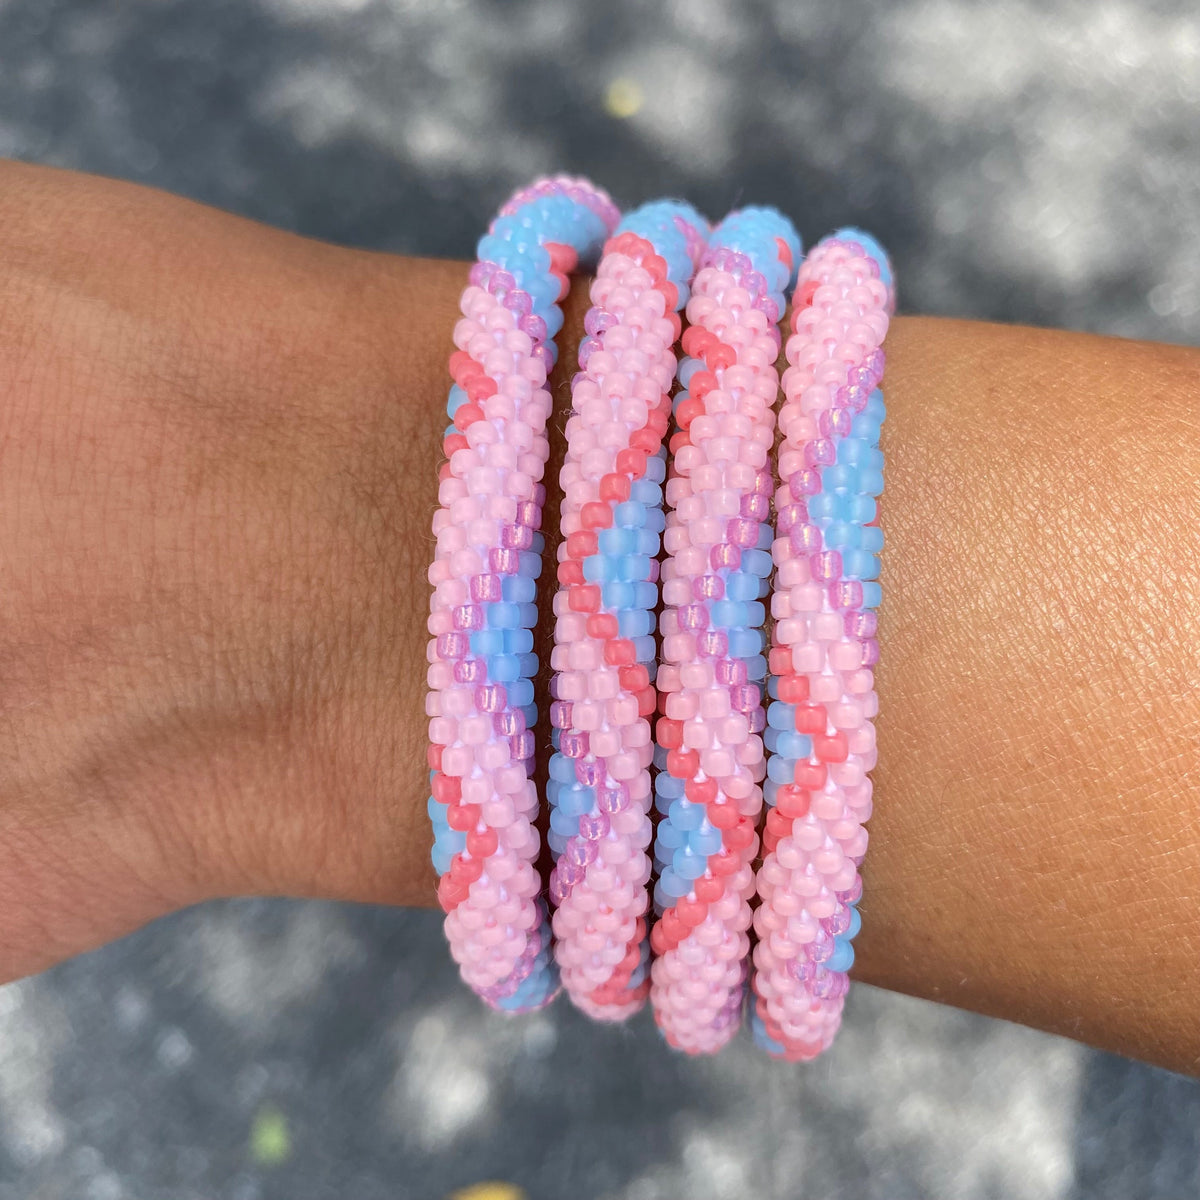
[{"x": 233, "y": 434}]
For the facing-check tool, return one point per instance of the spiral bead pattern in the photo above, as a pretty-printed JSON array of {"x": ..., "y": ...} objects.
[
  {"x": 480, "y": 701},
  {"x": 714, "y": 578},
  {"x": 820, "y": 731},
  {"x": 604, "y": 654}
]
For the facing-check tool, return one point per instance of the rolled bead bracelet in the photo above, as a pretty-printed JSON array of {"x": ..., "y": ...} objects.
[
  {"x": 480, "y": 704},
  {"x": 717, "y": 543},
  {"x": 822, "y": 683},
  {"x": 604, "y": 655}
]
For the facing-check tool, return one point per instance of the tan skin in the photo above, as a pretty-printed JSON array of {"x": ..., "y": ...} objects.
[{"x": 217, "y": 451}]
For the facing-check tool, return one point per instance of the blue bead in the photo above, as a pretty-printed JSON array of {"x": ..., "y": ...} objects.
[
  {"x": 656, "y": 467},
  {"x": 688, "y": 865},
  {"x": 597, "y": 568},
  {"x": 822, "y": 507},
  {"x": 794, "y": 745},
  {"x": 529, "y": 562},
  {"x": 485, "y": 642},
  {"x": 564, "y": 823},
  {"x": 617, "y": 595},
  {"x": 616, "y": 542},
  {"x": 872, "y": 538},
  {"x": 672, "y": 884},
  {"x": 518, "y": 589},
  {"x": 705, "y": 841},
  {"x": 842, "y": 958},
  {"x": 685, "y": 816},
  {"x": 645, "y": 594},
  {"x": 780, "y": 769},
  {"x": 629, "y": 514},
  {"x": 781, "y": 715},
  {"x": 518, "y": 641},
  {"x": 442, "y": 859},
  {"x": 855, "y": 925},
  {"x": 646, "y": 492},
  {"x": 562, "y": 768},
  {"x": 757, "y": 562},
  {"x": 529, "y": 665},
  {"x": 637, "y": 567},
  {"x": 455, "y": 401},
  {"x": 669, "y": 839},
  {"x": 635, "y": 623},
  {"x": 666, "y": 785},
  {"x": 756, "y": 666},
  {"x": 647, "y": 539},
  {"x": 745, "y": 643},
  {"x": 503, "y": 668},
  {"x": 741, "y": 585},
  {"x": 644, "y": 649}
]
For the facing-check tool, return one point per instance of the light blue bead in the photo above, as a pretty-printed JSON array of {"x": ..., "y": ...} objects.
[
  {"x": 455, "y": 401},
  {"x": 503, "y": 668},
  {"x": 518, "y": 641},
  {"x": 646, "y": 492},
  {"x": 485, "y": 642},
  {"x": 757, "y": 562},
  {"x": 672, "y": 884},
  {"x": 842, "y": 958},
  {"x": 616, "y": 595},
  {"x": 753, "y": 615},
  {"x": 745, "y": 643},
  {"x": 575, "y": 799},
  {"x": 538, "y": 547},
  {"x": 780, "y": 769},
  {"x": 756, "y": 666},
  {"x": 669, "y": 839},
  {"x": 529, "y": 665},
  {"x": 863, "y": 509},
  {"x": 685, "y": 816},
  {"x": 872, "y": 595},
  {"x": 822, "y": 507},
  {"x": 502, "y": 616},
  {"x": 645, "y": 594},
  {"x": 563, "y": 823},
  {"x": 872, "y": 538},
  {"x": 770, "y": 791},
  {"x": 518, "y": 589},
  {"x": 529, "y": 562},
  {"x": 666, "y": 785},
  {"x": 705, "y": 841},
  {"x": 597, "y": 568},
  {"x": 644, "y": 649},
  {"x": 562, "y": 768},
  {"x": 794, "y": 745},
  {"x": 636, "y": 567},
  {"x": 872, "y": 482},
  {"x": 741, "y": 585},
  {"x": 656, "y": 467},
  {"x": 635, "y": 623},
  {"x": 616, "y": 542},
  {"x": 688, "y": 865},
  {"x": 852, "y": 930},
  {"x": 648, "y": 538},
  {"x": 781, "y": 715},
  {"x": 629, "y": 514},
  {"x": 442, "y": 859}
]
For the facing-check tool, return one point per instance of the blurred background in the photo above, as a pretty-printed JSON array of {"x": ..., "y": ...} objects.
[{"x": 1025, "y": 160}]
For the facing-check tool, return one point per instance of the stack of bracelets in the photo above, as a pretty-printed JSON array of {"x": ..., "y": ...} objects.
[{"x": 749, "y": 526}]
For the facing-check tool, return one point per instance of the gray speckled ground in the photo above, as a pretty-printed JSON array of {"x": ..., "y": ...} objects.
[{"x": 1031, "y": 161}]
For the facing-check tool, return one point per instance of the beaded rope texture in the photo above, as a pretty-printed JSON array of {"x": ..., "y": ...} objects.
[
  {"x": 823, "y": 700},
  {"x": 714, "y": 577},
  {"x": 604, "y": 655},
  {"x": 481, "y": 662}
]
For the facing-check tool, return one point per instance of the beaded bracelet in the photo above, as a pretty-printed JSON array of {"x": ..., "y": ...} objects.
[
  {"x": 604, "y": 654},
  {"x": 482, "y": 613},
  {"x": 822, "y": 685},
  {"x": 716, "y": 570}
]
